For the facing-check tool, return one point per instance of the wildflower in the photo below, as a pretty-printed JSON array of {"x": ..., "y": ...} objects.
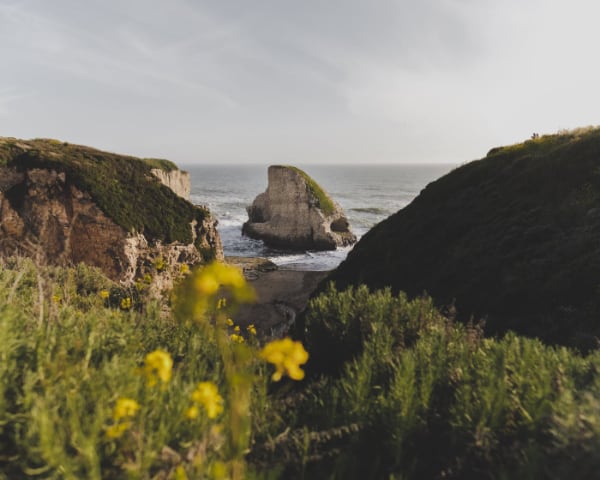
[
  {"x": 125, "y": 407},
  {"x": 184, "y": 268},
  {"x": 104, "y": 294},
  {"x": 229, "y": 322},
  {"x": 217, "y": 274},
  {"x": 192, "y": 412},
  {"x": 251, "y": 329},
  {"x": 235, "y": 338},
  {"x": 222, "y": 303},
  {"x": 207, "y": 395},
  {"x": 117, "y": 430},
  {"x": 236, "y": 329},
  {"x": 158, "y": 366},
  {"x": 125, "y": 303},
  {"x": 287, "y": 356}
]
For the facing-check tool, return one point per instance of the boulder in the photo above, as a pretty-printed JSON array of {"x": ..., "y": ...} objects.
[
  {"x": 295, "y": 213},
  {"x": 64, "y": 204}
]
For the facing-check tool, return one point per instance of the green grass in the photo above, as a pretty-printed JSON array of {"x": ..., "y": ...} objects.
[
  {"x": 161, "y": 163},
  {"x": 323, "y": 200},
  {"x": 123, "y": 187}
]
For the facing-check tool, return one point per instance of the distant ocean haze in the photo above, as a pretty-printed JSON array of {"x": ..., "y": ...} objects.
[{"x": 367, "y": 193}]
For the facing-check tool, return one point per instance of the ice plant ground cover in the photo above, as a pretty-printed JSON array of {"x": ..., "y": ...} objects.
[{"x": 392, "y": 389}]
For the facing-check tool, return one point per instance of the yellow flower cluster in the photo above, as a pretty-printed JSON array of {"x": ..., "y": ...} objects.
[
  {"x": 158, "y": 365},
  {"x": 125, "y": 303},
  {"x": 207, "y": 395},
  {"x": 251, "y": 329},
  {"x": 104, "y": 294},
  {"x": 287, "y": 356},
  {"x": 235, "y": 338},
  {"x": 125, "y": 409}
]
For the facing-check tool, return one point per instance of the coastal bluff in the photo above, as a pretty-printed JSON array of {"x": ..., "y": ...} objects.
[
  {"x": 512, "y": 238},
  {"x": 295, "y": 213},
  {"x": 64, "y": 204}
]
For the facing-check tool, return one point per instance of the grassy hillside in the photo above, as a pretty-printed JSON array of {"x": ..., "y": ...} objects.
[
  {"x": 122, "y": 186},
  {"x": 514, "y": 237}
]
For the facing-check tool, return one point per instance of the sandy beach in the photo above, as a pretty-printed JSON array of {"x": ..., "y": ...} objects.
[{"x": 281, "y": 295}]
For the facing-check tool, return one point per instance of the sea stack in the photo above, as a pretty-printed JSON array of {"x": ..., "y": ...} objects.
[{"x": 295, "y": 213}]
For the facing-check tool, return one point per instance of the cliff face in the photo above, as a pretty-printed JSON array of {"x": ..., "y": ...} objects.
[
  {"x": 50, "y": 210},
  {"x": 176, "y": 180},
  {"x": 295, "y": 213},
  {"x": 513, "y": 238}
]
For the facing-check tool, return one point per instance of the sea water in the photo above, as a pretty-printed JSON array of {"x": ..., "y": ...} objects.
[{"x": 367, "y": 193}]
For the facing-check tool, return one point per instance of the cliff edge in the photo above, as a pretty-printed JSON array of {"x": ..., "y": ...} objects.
[
  {"x": 63, "y": 203},
  {"x": 295, "y": 213},
  {"x": 513, "y": 238}
]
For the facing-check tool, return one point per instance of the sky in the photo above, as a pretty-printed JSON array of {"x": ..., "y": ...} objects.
[{"x": 302, "y": 81}]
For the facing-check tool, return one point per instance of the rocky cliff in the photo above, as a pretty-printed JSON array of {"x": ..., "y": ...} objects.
[
  {"x": 513, "y": 237},
  {"x": 295, "y": 213},
  {"x": 64, "y": 203},
  {"x": 176, "y": 180}
]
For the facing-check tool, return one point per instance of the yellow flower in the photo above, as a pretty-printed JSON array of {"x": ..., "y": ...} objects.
[
  {"x": 215, "y": 275},
  {"x": 192, "y": 412},
  {"x": 125, "y": 303},
  {"x": 104, "y": 294},
  {"x": 287, "y": 356},
  {"x": 251, "y": 329},
  {"x": 184, "y": 268},
  {"x": 117, "y": 430},
  {"x": 236, "y": 329},
  {"x": 207, "y": 395},
  {"x": 158, "y": 366},
  {"x": 235, "y": 338},
  {"x": 229, "y": 322},
  {"x": 125, "y": 408},
  {"x": 222, "y": 303}
]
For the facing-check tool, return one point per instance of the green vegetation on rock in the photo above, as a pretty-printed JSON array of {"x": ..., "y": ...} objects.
[
  {"x": 122, "y": 186},
  {"x": 513, "y": 237},
  {"x": 324, "y": 201},
  {"x": 161, "y": 163}
]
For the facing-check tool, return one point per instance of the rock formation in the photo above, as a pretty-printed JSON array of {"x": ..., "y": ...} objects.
[
  {"x": 295, "y": 213},
  {"x": 65, "y": 204},
  {"x": 176, "y": 180},
  {"x": 513, "y": 238}
]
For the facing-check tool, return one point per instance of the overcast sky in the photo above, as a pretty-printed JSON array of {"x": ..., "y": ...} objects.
[{"x": 298, "y": 81}]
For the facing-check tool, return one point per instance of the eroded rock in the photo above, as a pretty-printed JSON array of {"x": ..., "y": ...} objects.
[{"x": 295, "y": 213}]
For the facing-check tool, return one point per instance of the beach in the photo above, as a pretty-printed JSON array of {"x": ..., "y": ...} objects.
[{"x": 281, "y": 295}]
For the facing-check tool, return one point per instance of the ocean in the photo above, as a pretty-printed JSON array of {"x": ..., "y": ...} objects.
[{"x": 367, "y": 193}]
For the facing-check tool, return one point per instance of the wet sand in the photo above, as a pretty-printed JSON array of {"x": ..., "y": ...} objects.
[{"x": 281, "y": 295}]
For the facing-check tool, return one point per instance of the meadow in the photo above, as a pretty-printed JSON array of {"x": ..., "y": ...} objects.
[{"x": 97, "y": 381}]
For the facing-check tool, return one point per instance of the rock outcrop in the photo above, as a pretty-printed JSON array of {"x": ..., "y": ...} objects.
[
  {"x": 294, "y": 213},
  {"x": 176, "y": 180},
  {"x": 513, "y": 238},
  {"x": 64, "y": 204}
]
